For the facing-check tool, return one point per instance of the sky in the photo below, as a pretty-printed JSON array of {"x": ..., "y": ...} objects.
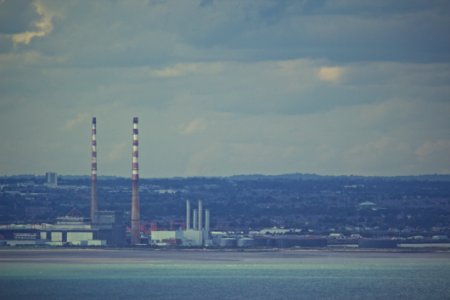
[{"x": 333, "y": 87}]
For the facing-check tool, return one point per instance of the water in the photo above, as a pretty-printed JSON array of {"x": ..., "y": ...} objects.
[{"x": 315, "y": 277}]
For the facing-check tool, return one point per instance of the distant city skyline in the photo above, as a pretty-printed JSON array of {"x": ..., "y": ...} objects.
[{"x": 225, "y": 87}]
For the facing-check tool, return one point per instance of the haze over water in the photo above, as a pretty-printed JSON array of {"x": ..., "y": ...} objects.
[{"x": 111, "y": 274}]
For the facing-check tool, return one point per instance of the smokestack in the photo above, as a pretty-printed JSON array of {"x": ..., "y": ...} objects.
[
  {"x": 200, "y": 215},
  {"x": 207, "y": 221},
  {"x": 188, "y": 215},
  {"x": 135, "y": 207},
  {"x": 195, "y": 220},
  {"x": 94, "y": 205}
]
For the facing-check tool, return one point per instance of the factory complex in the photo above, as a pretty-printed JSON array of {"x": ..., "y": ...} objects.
[
  {"x": 106, "y": 228},
  {"x": 70, "y": 230},
  {"x": 195, "y": 235}
]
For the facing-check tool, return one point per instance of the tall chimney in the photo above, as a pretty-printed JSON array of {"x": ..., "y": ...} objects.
[
  {"x": 188, "y": 214},
  {"x": 135, "y": 207},
  {"x": 94, "y": 205},
  {"x": 195, "y": 220},
  {"x": 207, "y": 221},
  {"x": 200, "y": 215}
]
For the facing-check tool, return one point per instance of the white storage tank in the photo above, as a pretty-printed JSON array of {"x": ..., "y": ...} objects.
[
  {"x": 227, "y": 242},
  {"x": 245, "y": 242}
]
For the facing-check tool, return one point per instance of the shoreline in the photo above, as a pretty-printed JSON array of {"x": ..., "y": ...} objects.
[
  {"x": 206, "y": 256},
  {"x": 398, "y": 250},
  {"x": 402, "y": 249}
]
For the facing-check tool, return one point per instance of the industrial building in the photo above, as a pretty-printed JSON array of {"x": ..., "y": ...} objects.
[
  {"x": 51, "y": 179},
  {"x": 256, "y": 240},
  {"x": 110, "y": 227},
  {"x": 194, "y": 235},
  {"x": 103, "y": 228},
  {"x": 70, "y": 230},
  {"x": 167, "y": 237},
  {"x": 107, "y": 228}
]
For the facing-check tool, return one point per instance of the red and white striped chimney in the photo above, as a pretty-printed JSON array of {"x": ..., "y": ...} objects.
[
  {"x": 135, "y": 207},
  {"x": 94, "y": 205}
]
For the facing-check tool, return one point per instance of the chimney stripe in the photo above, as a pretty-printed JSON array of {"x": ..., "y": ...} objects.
[
  {"x": 135, "y": 206},
  {"x": 94, "y": 204}
]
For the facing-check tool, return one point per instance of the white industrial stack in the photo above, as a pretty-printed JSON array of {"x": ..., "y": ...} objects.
[
  {"x": 195, "y": 220},
  {"x": 207, "y": 221},
  {"x": 200, "y": 215},
  {"x": 188, "y": 214},
  {"x": 198, "y": 234}
]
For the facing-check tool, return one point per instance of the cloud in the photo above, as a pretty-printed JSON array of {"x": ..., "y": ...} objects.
[
  {"x": 175, "y": 71},
  {"x": 434, "y": 148},
  {"x": 42, "y": 26},
  {"x": 76, "y": 121},
  {"x": 135, "y": 33},
  {"x": 194, "y": 126},
  {"x": 246, "y": 86},
  {"x": 331, "y": 74},
  {"x": 185, "y": 69}
]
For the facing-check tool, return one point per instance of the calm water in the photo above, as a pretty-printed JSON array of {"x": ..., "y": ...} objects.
[{"x": 307, "y": 278}]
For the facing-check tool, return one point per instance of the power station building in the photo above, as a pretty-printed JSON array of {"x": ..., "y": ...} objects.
[
  {"x": 107, "y": 228},
  {"x": 194, "y": 235},
  {"x": 70, "y": 230}
]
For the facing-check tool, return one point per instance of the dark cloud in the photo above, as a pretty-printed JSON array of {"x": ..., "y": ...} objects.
[
  {"x": 6, "y": 44},
  {"x": 204, "y": 3},
  {"x": 134, "y": 33},
  {"x": 17, "y": 16},
  {"x": 379, "y": 8},
  {"x": 417, "y": 36}
]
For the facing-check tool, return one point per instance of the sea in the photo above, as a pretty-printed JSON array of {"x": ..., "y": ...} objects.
[{"x": 141, "y": 274}]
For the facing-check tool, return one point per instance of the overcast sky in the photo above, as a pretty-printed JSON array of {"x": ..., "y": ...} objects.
[{"x": 226, "y": 87}]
